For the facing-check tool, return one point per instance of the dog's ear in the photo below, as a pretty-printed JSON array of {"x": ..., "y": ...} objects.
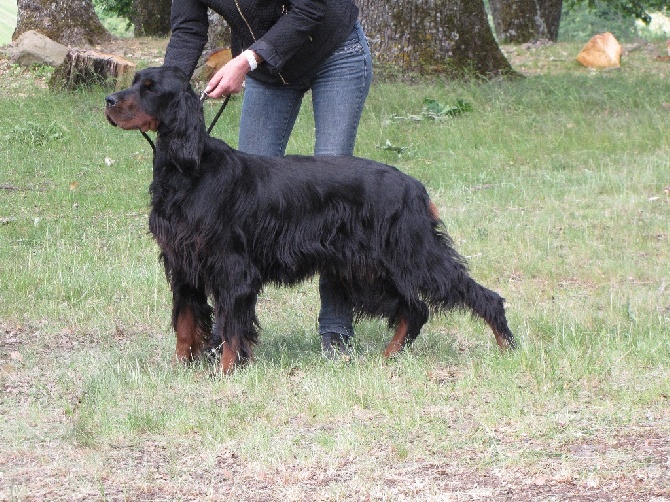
[{"x": 187, "y": 131}]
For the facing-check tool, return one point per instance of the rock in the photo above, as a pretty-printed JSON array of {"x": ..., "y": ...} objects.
[{"x": 34, "y": 48}]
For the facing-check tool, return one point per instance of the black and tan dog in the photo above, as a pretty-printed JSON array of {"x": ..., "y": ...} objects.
[{"x": 227, "y": 223}]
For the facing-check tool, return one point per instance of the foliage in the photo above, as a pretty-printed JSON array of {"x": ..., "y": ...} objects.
[
  {"x": 146, "y": 19},
  {"x": 120, "y": 8},
  {"x": 637, "y": 9},
  {"x": 580, "y": 23},
  {"x": 8, "y": 9},
  {"x": 118, "y": 26},
  {"x": 116, "y": 16},
  {"x": 658, "y": 29},
  {"x": 434, "y": 110}
]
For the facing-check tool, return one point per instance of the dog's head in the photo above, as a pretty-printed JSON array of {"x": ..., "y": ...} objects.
[{"x": 161, "y": 99}]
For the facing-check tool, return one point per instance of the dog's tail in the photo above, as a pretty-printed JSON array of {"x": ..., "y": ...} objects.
[
  {"x": 486, "y": 304},
  {"x": 451, "y": 287}
]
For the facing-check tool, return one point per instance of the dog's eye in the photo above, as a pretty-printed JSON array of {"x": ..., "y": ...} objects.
[{"x": 148, "y": 85}]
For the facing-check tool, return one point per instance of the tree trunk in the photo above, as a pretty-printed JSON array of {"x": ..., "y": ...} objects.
[
  {"x": 151, "y": 18},
  {"x": 218, "y": 35},
  {"x": 522, "y": 21},
  {"x": 69, "y": 22},
  {"x": 452, "y": 37}
]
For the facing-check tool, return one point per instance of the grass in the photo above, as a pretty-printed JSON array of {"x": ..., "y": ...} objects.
[
  {"x": 8, "y": 9},
  {"x": 552, "y": 186}
]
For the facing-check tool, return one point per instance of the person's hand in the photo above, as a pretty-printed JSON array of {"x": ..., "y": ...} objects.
[{"x": 229, "y": 79}]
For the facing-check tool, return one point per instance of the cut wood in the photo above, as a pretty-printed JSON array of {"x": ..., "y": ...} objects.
[
  {"x": 85, "y": 68},
  {"x": 602, "y": 51},
  {"x": 213, "y": 62}
]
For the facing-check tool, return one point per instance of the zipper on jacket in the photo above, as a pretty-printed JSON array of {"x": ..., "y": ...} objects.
[{"x": 244, "y": 18}]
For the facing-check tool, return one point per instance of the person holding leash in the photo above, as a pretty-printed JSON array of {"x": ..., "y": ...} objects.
[{"x": 282, "y": 49}]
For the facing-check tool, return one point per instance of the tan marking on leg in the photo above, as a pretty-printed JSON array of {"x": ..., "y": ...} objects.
[
  {"x": 398, "y": 341},
  {"x": 228, "y": 359},
  {"x": 187, "y": 334},
  {"x": 433, "y": 211}
]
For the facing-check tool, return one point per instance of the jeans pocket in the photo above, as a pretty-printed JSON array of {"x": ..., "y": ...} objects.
[{"x": 351, "y": 45}]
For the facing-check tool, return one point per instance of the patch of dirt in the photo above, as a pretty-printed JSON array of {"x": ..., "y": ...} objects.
[
  {"x": 631, "y": 464},
  {"x": 154, "y": 471}
]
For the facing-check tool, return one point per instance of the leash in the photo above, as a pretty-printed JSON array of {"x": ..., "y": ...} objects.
[
  {"x": 153, "y": 146},
  {"x": 203, "y": 97}
]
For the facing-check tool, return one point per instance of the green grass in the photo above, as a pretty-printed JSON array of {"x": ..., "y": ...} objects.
[
  {"x": 552, "y": 186},
  {"x": 8, "y": 11}
]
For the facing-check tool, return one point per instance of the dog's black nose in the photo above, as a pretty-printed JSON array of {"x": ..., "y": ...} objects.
[{"x": 110, "y": 100}]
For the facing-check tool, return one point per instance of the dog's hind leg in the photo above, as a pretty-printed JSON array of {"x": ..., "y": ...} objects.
[
  {"x": 399, "y": 339},
  {"x": 408, "y": 325}
]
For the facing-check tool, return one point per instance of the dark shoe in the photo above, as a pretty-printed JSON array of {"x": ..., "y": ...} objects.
[{"x": 336, "y": 346}]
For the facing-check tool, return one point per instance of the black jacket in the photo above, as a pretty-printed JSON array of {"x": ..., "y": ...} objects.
[{"x": 292, "y": 36}]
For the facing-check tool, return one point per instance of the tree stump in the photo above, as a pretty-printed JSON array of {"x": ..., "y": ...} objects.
[{"x": 84, "y": 68}]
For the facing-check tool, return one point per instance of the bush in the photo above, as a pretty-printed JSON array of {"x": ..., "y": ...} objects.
[{"x": 579, "y": 24}]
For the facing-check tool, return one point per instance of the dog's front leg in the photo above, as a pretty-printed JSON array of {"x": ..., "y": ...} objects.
[
  {"x": 229, "y": 358},
  {"x": 234, "y": 351},
  {"x": 185, "y": 328},
  {"x": 236, "y": 324},
  {"x": 191, "y": 320}
]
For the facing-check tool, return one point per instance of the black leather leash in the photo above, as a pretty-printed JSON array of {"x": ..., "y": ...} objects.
[
  {"x": 146, "y": 136},
  {"x": 203, "y": 97}
]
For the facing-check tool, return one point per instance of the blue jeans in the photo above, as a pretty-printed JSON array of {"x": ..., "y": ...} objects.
[{"x": 339, "y": 89}]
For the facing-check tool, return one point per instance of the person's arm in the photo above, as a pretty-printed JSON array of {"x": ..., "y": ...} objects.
[
  {"x": 189, "y": 24},
  {"x": 293, "y": 30}
]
